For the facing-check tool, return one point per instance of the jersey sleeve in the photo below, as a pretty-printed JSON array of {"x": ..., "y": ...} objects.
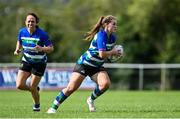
[
  {"x": 101, "y": 41},
  {"x": 47, "y": 41},
  {"x": 19, "y": 37}
]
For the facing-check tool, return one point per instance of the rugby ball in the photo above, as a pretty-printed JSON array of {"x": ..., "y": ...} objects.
[{"x": 115, "y": 58}]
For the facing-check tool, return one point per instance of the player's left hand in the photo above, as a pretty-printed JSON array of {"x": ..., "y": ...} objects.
[{"x": 38, "y": 48}]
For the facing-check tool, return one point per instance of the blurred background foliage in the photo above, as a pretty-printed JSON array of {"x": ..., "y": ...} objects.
[{"x": 148, "y": 29}]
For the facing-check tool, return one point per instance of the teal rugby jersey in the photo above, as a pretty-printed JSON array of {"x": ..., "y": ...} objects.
[
  {"x": 100, "y": 42},
  {"x": 28, "y": 42}
]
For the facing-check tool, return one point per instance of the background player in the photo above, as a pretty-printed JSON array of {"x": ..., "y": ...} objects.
[{"x": 34, "y": 43}]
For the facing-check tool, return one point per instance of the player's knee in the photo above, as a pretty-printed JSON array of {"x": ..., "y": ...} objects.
[
  {"x": 19, "y": 86},
  {"x": 33, "y": 88},
  {"x": 105, "y": 85},
  {"x": 70, "y": 89}
]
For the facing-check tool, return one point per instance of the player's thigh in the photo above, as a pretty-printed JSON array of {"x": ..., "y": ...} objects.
[
  {"x": 35, "y": 81},
  {"x": 75, "y": 80},
  {"x": 22, "y": 76},
  {"x": 102, "y": 78}
]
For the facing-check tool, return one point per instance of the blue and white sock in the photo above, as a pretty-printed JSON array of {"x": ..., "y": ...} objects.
[
  {"x": 59, "y": 99},
  {"x": 96, "y": 93}
]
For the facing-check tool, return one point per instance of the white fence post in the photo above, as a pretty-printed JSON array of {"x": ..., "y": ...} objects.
[
  {"x": 163, "y": 77},
  {"x": 141, "y": 76}
]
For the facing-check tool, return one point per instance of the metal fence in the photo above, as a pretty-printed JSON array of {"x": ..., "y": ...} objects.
[{"x": 140, "y": 67}]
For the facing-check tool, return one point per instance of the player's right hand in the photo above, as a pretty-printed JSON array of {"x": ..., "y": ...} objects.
[{"x": 17, "y": 52}]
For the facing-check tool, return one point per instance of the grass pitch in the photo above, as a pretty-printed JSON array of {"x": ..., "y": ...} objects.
[{"x": 112, "y": 104}]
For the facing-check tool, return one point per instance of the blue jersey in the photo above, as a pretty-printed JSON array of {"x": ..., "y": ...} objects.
[
  {"x": 100, "y": 42},
  {"x": 28, "y": 42}
]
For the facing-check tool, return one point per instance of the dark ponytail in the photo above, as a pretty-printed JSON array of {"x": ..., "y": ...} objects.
[
  {"x": 102, "y": 22},
  {"x": 94, "y": 30}
]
